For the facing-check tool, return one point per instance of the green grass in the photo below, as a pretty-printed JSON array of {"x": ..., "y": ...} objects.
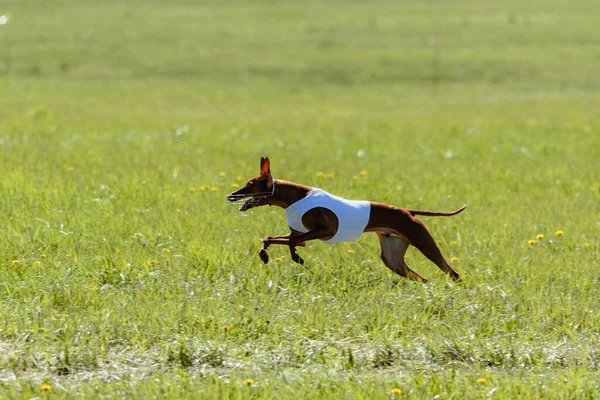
[{"x": 114, "y": 118}]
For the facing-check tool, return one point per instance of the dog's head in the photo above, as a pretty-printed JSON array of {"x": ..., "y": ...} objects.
[{"x": 257, "y": 189}]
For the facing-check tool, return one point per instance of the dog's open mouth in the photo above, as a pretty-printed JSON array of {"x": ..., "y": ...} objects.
[{"x": 247, "y": 204}]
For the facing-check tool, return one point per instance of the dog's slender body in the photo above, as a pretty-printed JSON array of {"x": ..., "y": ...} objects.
[{"x": 396, "y": 227}]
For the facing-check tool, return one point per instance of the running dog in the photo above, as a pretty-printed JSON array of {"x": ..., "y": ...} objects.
[{"x": 313, "y": 213}]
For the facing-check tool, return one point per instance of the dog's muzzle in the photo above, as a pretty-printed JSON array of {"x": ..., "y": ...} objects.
[{"x": 247, "y": 204}]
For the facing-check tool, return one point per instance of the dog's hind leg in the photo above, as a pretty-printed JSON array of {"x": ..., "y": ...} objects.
[
  {"x": 420, "y": 237},
  {"x": 393, "y": 249}
]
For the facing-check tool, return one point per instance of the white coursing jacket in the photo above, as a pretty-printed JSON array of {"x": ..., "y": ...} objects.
[{"x": 353, "y": 215}]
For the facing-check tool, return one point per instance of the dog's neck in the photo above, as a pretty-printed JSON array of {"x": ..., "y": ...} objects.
[{"x": 287, "y": 193}]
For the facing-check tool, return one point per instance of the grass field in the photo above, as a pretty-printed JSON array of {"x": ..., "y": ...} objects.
[{"x": 123, "y": 125}]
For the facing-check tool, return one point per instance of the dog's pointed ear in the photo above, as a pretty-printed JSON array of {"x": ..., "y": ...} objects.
[{"x": 265, "y": 166}]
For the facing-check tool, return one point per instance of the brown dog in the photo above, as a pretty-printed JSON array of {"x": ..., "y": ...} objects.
[{"x": 315, "y": 214}]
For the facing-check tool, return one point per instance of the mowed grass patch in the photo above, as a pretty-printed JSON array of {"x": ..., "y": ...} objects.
[{"x": 125, "y": 273}]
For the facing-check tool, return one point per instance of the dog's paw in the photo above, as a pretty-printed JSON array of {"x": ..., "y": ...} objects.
[
  {"x": 264, "y": 256},
  {"x": 298, "y": 259}
]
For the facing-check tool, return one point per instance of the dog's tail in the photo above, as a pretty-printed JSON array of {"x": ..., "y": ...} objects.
[{"x": 436, "y": 214}]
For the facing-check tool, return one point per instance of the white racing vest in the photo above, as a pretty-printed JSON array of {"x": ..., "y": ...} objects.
[{"x": 353, "y": 215}]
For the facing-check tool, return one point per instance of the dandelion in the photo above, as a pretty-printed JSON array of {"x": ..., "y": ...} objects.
[
  {"x": 46, "y": 387},
  {"x": 372, "y": 292},
  {"x": 539, "y": 236},
  {"x": 213, "y": 189},
  {"x": 585, "y": 244},
  {"x": 482, "y": 381},
  {"x": 249, "y": 382},
  {"x": 221, "y": 173},
  {"x": 355, "y": 177},
  {"x": 396, "y": 392},
  {"x": 331, "y": 175},
  {"x": 151, "y": 262},
  {"x": 532, "y": 242},
  {"x": 363, "y": 173},
  {"x": 43, "y": 255},
  {"x": 278, "y": 259},
  {"x": 37, "y": 262},
  {"x": 202, "y": 188},
  {"x": 454, "y": 259},
  {"x": 235, "y": 186},
  {"x": 350, "y": 251},
  {"x": 559, "y": 232},
  {"x": 68, "y": 255},
  {"x": 238, "y": 178},
  {"x": 137, "y": 234},
  {"x": 225, "y": 328},
  {"x": 320, "y": 174},
  {"x": 166, "y": 250},
  {"x": 16, "y": 262},
  {"x": 454, "y": 243},
  {"x": 191, "y": 189}
]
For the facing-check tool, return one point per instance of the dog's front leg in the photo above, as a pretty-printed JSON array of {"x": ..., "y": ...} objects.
[
  {"x": 283, "y": 239},
  {"x": 263, "y": 249},
  {"x": 300, "y": 240}
]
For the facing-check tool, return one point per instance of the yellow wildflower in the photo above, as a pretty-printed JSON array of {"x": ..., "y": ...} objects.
[
  {"x": 454, "y": 243},
  {"x": 350, "y": 251},
  {"x": 320, "y": 174},
  {"x": 235, "y": 186},
  {"x": 559, "y": 232},
  {"x": 482, "y": 381},
  {"x": 238, "y": 178},
  {"x": 68, "y": 255},
  {"x": 213, "y": 189},
  {"x": 363, "y": 173},
  {"x": 278, "y": 259},
  {"x": 539, "y": 236},
  {"x": 37, "y": 262},
  {"x": 16, "y": 262},
  {"x": 396, "y": 392},
  {"x": 454, "y": 259},
  {"x": 191, "y": 189},
  {"x": 43, "y": 255},
  {"x": 203, "y": 188},
  {"x": 225, "y": 328},
  {"x": 137, "y": 234},
  {"x": 151, "y": 262},
  {"x": 166, "y": 250},
  {"x": 355, "y": 177},
  {"x": 249, "y": 382},
  {"x": 221, "y": 173},
  {"x": 331, "y": 175},
  {"x": 532, "y": 242},
  {"x": 46, "y": 387}
]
